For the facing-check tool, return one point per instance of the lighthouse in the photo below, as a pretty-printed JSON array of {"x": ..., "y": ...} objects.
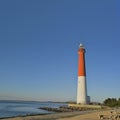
[{"x": 82, "y": 97}]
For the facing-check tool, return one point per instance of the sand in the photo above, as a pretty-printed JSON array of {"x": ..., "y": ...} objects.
[
  {"x": 91, "y": 116},
  {"x": 83, "y": 115}
]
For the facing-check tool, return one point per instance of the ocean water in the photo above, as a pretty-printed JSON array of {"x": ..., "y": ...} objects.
[{"x": 20, "y": 108}]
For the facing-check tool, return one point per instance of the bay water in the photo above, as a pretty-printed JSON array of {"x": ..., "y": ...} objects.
[{"x": 21, "y": 108}]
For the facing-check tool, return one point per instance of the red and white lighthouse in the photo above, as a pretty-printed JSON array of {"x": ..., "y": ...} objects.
[{"x": 82, "y": 97}]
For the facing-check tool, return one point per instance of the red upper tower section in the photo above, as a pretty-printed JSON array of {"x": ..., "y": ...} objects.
[{"x": 81, "y": 61}]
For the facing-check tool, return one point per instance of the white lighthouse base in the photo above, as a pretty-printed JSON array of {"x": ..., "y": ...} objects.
[{"x": 82, "y": 91}]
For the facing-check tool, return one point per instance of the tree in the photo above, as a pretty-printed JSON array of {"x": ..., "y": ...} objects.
[
  {"x": 119, "y": 102},
  {"x": 112, "y": 102}
]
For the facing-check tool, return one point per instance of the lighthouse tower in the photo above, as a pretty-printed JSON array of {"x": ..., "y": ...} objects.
[{"x": 82, "y": 97}]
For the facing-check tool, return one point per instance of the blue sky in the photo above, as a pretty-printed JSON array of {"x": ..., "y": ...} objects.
[{"x": 38, "y": 48}]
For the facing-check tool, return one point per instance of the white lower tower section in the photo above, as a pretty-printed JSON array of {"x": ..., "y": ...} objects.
[{"x": 82, "y": 90}]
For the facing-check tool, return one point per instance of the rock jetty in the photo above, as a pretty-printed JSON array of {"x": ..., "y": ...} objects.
[
  {"x": 65, "y": 109},
  {"x": 60, "y": 109}
]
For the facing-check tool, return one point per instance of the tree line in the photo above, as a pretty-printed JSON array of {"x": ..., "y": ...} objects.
[{"x": 112, "y": 102}]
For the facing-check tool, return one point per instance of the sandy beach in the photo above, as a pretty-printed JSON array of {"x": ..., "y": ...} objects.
[
  {"x": 81, "y": 115},
  {"x": 88, "y": 116}
]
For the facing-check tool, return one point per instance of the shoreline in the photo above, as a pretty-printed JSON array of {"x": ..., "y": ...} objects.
[
  {"x": 55, "y": 113},
  {"x": 50, "y": 116},
  {"x": 75, "y": 115},
  {"x": 3, "y": 118}
]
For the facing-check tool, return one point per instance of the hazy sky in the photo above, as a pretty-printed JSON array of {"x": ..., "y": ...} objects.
[{"x": 39, "y": 40}]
